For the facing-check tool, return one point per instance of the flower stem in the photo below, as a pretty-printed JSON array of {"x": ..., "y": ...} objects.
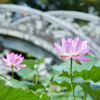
[
  {"x": 12, "y": 73},
  {"x": 85, "y": 95},
  {"x": 72, "y": 88},
  {"x": 36, "y": 81},
  {"x": 51, "y": 90}
]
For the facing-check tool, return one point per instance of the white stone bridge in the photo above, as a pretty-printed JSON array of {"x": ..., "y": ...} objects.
[{"x": 33, "y": 31}]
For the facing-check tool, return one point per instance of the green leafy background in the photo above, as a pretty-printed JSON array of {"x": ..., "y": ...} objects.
[{"x": 86, "y": 80}]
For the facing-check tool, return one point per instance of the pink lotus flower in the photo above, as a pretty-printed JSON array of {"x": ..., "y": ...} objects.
[
  {"x": 73, "y": 48},
  {"x": 13, "y": 60}
]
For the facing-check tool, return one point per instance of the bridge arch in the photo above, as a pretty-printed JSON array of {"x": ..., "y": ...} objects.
[{"x": 48, "y": 25}]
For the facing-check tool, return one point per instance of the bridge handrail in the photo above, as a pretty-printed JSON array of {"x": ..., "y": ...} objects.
[{"x": 76, "y": 15}]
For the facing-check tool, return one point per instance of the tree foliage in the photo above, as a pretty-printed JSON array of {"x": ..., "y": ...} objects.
[{"x": 75, "y": 5}]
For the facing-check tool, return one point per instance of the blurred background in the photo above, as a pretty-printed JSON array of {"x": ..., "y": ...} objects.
[
  {"x": 31, "y": 26},
  {"x": 89, "y": 6}
]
